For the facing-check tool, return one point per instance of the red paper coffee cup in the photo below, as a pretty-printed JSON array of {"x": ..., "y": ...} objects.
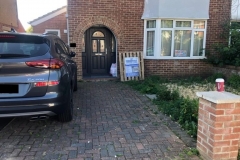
[{"x": 220, "y": 84}]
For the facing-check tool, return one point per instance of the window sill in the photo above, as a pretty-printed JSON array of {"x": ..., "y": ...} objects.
[{"x": 172, "y": 58}]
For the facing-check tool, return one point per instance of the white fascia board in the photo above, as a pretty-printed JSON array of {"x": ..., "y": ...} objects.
[{"x": 50, "y": 16}]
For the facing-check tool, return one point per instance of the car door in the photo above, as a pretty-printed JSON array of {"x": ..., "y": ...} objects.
[{"x": 65, "y": 56}]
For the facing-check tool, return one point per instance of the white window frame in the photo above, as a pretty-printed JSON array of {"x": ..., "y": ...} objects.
[
  {"x": 158, "y": 31},
  {"x": 54, "y": 30}
]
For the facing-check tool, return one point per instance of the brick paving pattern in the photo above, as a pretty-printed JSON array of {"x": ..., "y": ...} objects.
[{"x": 111, "y": 122}]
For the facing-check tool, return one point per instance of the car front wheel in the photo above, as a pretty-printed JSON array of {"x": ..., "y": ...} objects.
[{"x": 67, "y": 115}]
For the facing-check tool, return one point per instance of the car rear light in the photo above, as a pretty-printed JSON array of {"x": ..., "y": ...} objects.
[
  {"x": 46, "y": 63},
  {"x": 7, "y": 36},
  {"x": 44, "y": 84}
]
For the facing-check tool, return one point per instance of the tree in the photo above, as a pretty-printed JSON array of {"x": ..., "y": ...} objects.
[{"x": 29, "y": 30}]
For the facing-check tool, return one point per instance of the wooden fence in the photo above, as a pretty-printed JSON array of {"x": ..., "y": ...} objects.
[{"x": 122, "y": 57}]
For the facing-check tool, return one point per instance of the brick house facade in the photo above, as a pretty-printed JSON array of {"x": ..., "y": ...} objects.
[
  {"x": 123, "y": 19},
  {"x": 54, "y": 22},
  {"x": 8, "y": 19}
]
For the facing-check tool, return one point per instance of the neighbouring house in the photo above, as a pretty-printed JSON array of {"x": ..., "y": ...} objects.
[
  {"x": 8, "y": 19},
  {"x": 54, "y": 22},
  {"x": 171, "y": 34}
]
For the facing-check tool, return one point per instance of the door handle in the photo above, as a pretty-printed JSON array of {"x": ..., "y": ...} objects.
[{"x": 106, "y": 51}]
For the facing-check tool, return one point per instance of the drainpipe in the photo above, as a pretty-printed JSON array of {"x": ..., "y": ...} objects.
[{"x": 67, "y": 24}]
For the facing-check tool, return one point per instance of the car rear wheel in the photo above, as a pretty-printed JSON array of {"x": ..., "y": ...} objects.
[
  {"x": 67, "y": 115},
  {"x": 75, "y": 83}
]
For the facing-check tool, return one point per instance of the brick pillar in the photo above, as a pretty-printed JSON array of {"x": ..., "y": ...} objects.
[{"x": 218, "y": 125}]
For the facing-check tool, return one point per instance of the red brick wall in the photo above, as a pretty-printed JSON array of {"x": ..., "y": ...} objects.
[
  {"x": 177, "y": 68},
  {"x": 218, "y": 127},
  {"x": 4, "y": 27},
  {"x": 220, "y": 14},
  {"x": 123, "y": 18},
  {"x": 59, "y": 23}
]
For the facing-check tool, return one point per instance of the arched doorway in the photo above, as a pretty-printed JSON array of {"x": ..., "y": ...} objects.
[{"x": 98, "y": 52}]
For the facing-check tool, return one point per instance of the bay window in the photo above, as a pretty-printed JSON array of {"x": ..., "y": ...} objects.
[{"x": 174, "y": 39}]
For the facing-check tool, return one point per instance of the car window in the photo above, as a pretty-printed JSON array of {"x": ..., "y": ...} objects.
[
  {"x": 23, "y": 45},
  {"x": 59, "y": 49},
  {"x": 64, "y": 47}
]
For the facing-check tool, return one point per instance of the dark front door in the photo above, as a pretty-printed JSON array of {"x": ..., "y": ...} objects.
[{"x": 99, "y": 51}]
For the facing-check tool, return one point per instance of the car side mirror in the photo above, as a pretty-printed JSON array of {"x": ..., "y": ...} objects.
[{"x": 72, "y": 54}]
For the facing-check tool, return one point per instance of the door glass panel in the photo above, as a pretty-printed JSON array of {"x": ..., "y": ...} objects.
[
  {"x": 98, "y": 34},
  {"x": 102, "y": 45},
  {"x": 83, "y": 43},
  {"x": 94, "y": 45},
  {"x": 113, "y": 44}
]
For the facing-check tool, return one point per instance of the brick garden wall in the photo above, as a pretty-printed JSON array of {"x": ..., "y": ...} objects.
[
  {"x": 177, "y": 68},
  {"x": 123, "y": 18},
  {"x": 218, "y": 126},
  {"x": 59, "y": 23}
]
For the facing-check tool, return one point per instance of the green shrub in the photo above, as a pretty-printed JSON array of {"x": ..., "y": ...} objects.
[
  {"x": 188, "y": 116},
  {"x": 227, "y": 53},
  {"x": 149, "y": 86},
  {"x": 234, "y": 81},
  {"x": 213, "y": 77}
]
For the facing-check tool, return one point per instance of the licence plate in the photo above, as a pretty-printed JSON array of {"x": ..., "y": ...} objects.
[{"x": 9, "y": 88}]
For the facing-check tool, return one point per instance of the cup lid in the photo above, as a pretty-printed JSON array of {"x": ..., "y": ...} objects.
[{"x": 219, "y": 80}]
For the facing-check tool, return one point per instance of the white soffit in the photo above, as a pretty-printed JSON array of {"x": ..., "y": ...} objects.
[
  {"x": 48, "y": 16},
  {"x": 235, "y": 10},
  {"x": 176, "y": 9}
]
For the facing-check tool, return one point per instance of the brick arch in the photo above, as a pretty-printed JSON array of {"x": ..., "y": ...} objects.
[{"x": 86, "y": 24}]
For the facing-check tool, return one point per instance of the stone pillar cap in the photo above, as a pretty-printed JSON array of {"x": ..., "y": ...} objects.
[{"x": 219, "y": 97}]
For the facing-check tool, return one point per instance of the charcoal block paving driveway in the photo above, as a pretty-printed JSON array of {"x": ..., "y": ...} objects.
[{"x": 111, "y": 122}]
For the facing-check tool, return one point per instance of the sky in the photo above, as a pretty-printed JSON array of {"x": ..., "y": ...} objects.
[{"x": 29, "y": 10}]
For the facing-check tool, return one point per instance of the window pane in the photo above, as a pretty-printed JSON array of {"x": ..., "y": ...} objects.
[
  {"x": 151, "y": 24},
  {"x": 199, "y": 24},
  {"x": 198, "y": 43},
  {"x": 53, "y": 32},
  {"x": 183, "y": 24},
  {"x": 98, "y": 34},
  {"x": 150, "y": 43},
  {"x": 167, "y": 24},
  {"x": 166, "y": 43},
  {"x": 94, "y": 45},
  {"x": 182, "y": 43}
]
